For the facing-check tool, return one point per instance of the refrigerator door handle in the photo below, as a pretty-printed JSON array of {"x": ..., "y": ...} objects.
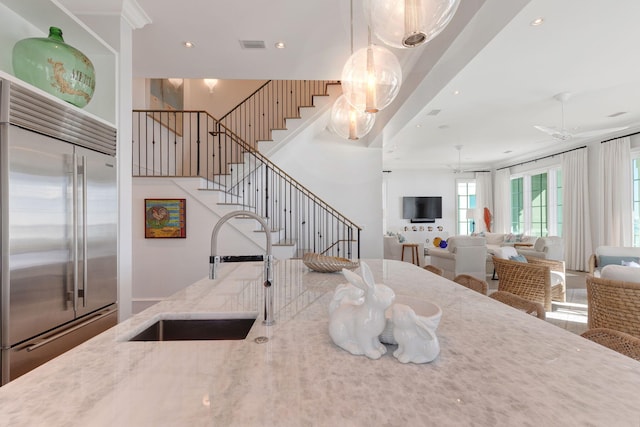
[
  {"x": 74, "y": 233},
  {"x": 85, "y": 251},
  {"x": 96, "y": 317}
]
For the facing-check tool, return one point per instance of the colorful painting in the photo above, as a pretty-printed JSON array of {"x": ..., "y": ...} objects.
[{"x": 165, "y": 218}]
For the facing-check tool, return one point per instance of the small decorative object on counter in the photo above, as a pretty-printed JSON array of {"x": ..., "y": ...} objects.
[
  {"x": 417, "y": 340},
  {"x": 443, "y": 244},
  {"x": 357, "y": 314},
  {"x": 428, "y": 312},
  {"x": 327, "y": 264},
  {"x": 50, "y": 64},
  {"x": 436, "y": 242}
]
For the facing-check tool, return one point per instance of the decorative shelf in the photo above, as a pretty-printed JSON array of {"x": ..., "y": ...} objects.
[{"x": 20, "y": 19}]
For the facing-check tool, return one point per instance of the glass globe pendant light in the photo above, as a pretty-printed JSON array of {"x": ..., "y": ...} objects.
[
  {"x": 408, "y": 23},
  {"x": 348, "y": 122},
  {"x": 371, "y": 78}
]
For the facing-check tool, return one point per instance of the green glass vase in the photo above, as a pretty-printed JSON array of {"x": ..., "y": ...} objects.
[{"x": 52, "y": 65}]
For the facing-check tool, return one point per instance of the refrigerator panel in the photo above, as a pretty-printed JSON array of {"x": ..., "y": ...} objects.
[
  {"x": 33, "y": 353},
  {"x": 97, "y": 230},
  {"x": 40, "y": 234},
  {"x": 58, "y": 265}
]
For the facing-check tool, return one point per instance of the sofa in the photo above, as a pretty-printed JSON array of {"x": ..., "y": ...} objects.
[
  {"x": 551, "y": 247},
  {"x": 497, "y": 240},
  {"x": 392, "y": 248},
  {"x": 612, "y": 255},
  {"x": 463, "y": 255}
]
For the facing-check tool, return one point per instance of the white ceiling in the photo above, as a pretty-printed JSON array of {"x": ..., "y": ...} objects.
[{"x": 506, "y": 70}]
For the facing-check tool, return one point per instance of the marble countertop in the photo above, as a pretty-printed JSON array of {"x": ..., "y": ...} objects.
[{"x": 497, "y": 366}]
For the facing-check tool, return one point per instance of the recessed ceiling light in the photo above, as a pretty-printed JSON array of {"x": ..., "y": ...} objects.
[
  {"x": 617, "y": 114},
  {"x": 280, "y": 45},
  {"x": 418, "y": 125},
  {"x": 456, "y": 92},
  {"x": 536, "y": 22},
  {"x": 507, "y": 152},
  {"x": 188, "y": 44}
]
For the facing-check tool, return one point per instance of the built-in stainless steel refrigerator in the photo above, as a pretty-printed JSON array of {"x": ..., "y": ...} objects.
[{"x": 58, "y": 226}]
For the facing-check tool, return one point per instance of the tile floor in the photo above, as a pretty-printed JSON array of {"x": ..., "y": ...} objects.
[{"x": 571, "y": 315}]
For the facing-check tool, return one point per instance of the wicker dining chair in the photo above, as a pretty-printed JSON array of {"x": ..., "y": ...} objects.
[
  {"x": 472, "y": 283},
  {"x": 530, "y": 307},
  {"x": 557, "y": 269},
  {"x": 615, "y": 340},
  {"x": 434, "y": 269},
  {"x": 531, "y": 280},
  {"x": 613, "y": 304}
]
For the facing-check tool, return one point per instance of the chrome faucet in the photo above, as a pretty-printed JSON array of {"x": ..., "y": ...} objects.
[{"x": 215, "y": 260}]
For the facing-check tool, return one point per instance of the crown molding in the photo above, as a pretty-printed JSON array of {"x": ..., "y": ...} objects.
[{"x": 134, "y": 15}]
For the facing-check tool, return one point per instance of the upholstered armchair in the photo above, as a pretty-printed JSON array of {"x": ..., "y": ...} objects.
[
  {"x": 463, "y": 255},
  {"x": 614, "y": 299},
  {"x": 551, "y": 247},
  {"x": 612, "y": 255}
]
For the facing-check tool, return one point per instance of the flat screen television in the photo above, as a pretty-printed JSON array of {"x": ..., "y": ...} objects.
[{"x": 422, "y": 209}]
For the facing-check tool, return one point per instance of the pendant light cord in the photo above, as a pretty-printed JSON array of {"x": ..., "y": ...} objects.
[{"x": 351, "y": 27}]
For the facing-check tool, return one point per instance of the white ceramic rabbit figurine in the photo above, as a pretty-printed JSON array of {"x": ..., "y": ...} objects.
[
  {"x": 357, "y": 319},
  {"x": 346, "y": 293},
  {"x": 417, "y": 341}
]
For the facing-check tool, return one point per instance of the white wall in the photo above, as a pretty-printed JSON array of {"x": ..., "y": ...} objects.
[
  {"x": 400, "y": 183},
  {"x": 342, "y": 173},
  {"x": 226, "y": 95},
  {"x": 163, "y": 266}
]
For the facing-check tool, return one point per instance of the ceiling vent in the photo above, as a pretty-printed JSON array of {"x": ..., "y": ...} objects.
[
  {"x": 252, "y": 44},
  {"x": 433, "y": 112}
]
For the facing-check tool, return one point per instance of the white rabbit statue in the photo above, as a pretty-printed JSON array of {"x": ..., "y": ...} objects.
[
  {"x": 417, "y": 341},
  {"x": 356, "y": 314},
  {"x": 346, "y": 293}
]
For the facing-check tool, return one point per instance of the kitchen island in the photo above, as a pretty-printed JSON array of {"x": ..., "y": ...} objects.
[{"x": 497, "y": 366}]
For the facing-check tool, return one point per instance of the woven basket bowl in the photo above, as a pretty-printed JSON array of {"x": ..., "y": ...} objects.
[{"x": 327, "y": 264}]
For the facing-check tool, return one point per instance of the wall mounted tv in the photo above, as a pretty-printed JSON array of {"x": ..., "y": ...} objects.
[{"x": 422, "y": 209}]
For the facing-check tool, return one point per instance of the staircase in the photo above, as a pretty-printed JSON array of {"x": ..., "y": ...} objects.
[{"x": 223, "y": 158}]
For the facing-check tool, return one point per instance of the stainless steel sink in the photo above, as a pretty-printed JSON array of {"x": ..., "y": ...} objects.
[{"x": 196, "y": 329}]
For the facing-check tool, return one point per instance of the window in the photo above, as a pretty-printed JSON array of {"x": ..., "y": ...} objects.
[
  {"x": 538, "y": 224},
  {"x": 466, "y": 203},
  {"x": 517, "y": 205},
  {"x": 536, "y": 203}
]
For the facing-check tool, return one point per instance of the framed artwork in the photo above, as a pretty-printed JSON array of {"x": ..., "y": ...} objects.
[
  {"x": 165, "y": 218},
  {"x": 165, "y": 96}
]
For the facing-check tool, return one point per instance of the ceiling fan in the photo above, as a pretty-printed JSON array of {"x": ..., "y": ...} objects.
[
  {"x": 564, "y": 135},
  {"x": 459, "y": 168}
]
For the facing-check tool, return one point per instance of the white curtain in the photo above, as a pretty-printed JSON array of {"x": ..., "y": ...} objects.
[
  {"x": 484, "y": 199},
  {"x": 502, "y": 209},
  {"x": 576, "y": 226},
  {"x": 616, "y": 204},
  {"x": 617, "y": 197}
]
